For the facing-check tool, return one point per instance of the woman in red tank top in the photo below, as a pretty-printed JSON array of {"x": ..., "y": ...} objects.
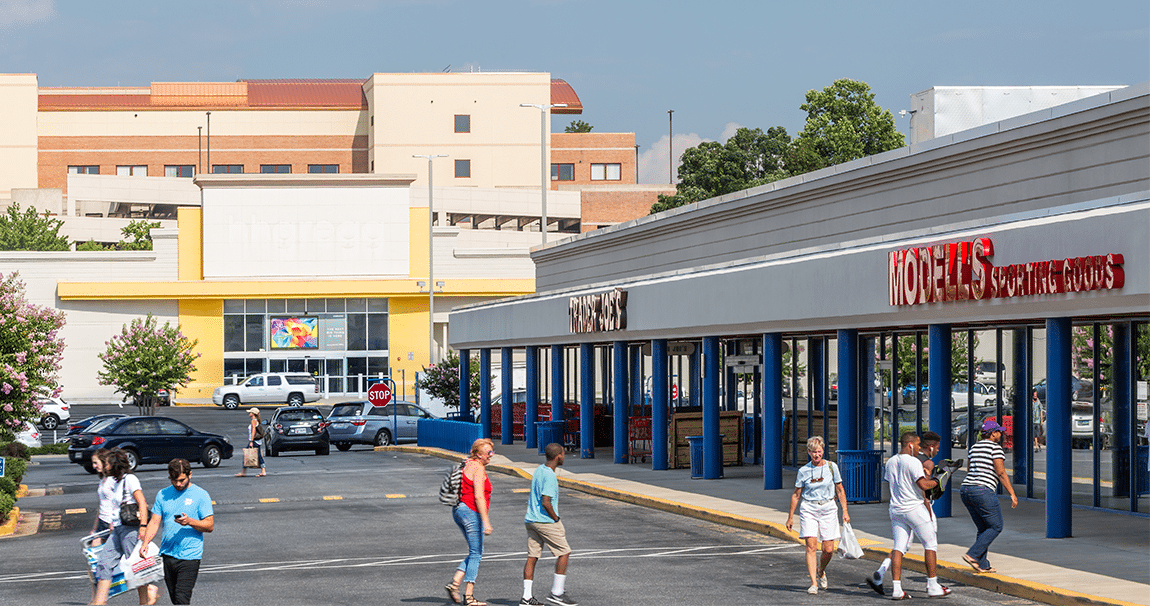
[{"x": 471, "y": 517}]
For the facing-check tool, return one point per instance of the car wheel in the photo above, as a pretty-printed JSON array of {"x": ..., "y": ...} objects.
[
  {"x": 133, "y": 459},
  {"x": 231, "y": 401},
  {"x": 343, "y": 446},
  {"x": 323, "y": 450},
  {"x": 295, "y": 399},
  {"x": 383, "y": 438},
  {"x": 211, "y": 456},
  {"x": 50, "y": 421},
  {"x": 272, "y": 452},
  {"x": 88, "y": 468}
]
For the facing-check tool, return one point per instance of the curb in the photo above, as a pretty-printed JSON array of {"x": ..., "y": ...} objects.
[
  {"x": 9, "y": 526},
  {"x": 951, "y": 571},
  {"x": 21, "y": 491}
]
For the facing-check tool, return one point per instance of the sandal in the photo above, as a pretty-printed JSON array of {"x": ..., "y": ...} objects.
[
  {"x": 469, "y": 600},
  {"x": 904, "y": 596},
  {"x": 945, "y": 592},
  {"x": 971, "y": 561},
  {"x": 453, "y": 592}
]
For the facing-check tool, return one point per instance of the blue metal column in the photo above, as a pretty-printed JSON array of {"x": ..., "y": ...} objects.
[
  {"x": 507, "y": 386},
  {"x": 557, "y": 395},
  {"x": 1058, "y": 453},
  {"x": 1123, "y": 403},
  {"x": 867, "y": 356},
  {"x": 772, "y": 411},
  {"x": 636, "y": 379},
  {"x": 622, "y": 410},
  {"x": 485, "y": 392},
  {"x": 712, "y": 443},
  {"x": 659, "y": 397},
  {"x": 586, "y": 401},
  {"x": 815, "y": 369},
  {"x": 532, "y": 397},
  {"x": 465, "y": 384},
  {"x": 939, "y": 381},
  {"x": 848, "y": 425},
  {"x": 1021, "y": 379},
  {"x": 696, "y": 380},
  {"x": 730, "y": 380}
]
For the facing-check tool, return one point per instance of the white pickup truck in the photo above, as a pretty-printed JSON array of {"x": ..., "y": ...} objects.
[{"x": 268, "y": 388}]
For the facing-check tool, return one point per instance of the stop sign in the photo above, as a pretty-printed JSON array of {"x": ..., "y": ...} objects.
[
  {"x": 674, "y": 391},
  {"x": 379, "y": 394}
]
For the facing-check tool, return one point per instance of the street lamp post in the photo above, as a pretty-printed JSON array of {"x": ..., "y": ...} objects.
[
  {"x": 430, "y": 258},
  {"x": 671, "y": 145},
  {"x": 543, "y": 107}
]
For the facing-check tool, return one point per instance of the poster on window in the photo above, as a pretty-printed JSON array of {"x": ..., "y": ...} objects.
[{"x": 295, "y": 333}]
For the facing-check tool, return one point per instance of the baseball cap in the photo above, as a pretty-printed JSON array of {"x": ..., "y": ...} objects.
[
  {"x": 254, "y": 411},
  {"x": 990, "y": 426}
]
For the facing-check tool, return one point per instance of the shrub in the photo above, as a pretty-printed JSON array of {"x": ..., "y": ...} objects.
[
  {"x": 7, "y": 486},
  {"x": 15, "y": 450},
  {"x": 7, "y": 501},
  {"x": 61, "y": 448},
  {"x": 14, "y": 468}
]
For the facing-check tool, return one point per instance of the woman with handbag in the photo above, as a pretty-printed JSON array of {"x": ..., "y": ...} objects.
[
  {"x": 122, "y": 504},
  {"x": 255, "y": 441}
]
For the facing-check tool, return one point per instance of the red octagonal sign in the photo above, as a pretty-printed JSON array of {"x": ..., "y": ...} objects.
[{"x": 379, "y": 394}]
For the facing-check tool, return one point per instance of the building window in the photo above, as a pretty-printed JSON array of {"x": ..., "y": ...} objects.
[
  {"x": 562, "y": 172},
  {"x": 462, "y": 124},
  {"x": 323, "y": 168},
  {"x": 132, "y": 171},
  {"x": 606, "y": 172},
  {"x": 182, "y": 170},
  {"x": 83, "y": 170},
  {"x": 227, "y": 169},
  {"x": 275, "y": 169},
  {"x": 462, "y": 169}
]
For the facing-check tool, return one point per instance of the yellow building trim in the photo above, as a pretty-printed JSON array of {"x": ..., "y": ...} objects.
[
  {"x": 407, "y": 342},
  {"x": 191, "y": 250},
  {"x": 417, "y": 241},
  {"x": 289, "y": 289},
  {"x": 204, "y": 320}
]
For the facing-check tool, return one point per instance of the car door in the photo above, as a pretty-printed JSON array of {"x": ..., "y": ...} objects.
[
  {"x": 180, "y": 444},
  {"x": 407, "y": 420},
  {"x": 254, "y": 390},
  {"x": 142, "y": 435},
  {"x": 276, "y": 388}
]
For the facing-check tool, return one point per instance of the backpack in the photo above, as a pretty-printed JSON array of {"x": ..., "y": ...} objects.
[{"x": 452, "y": 483}]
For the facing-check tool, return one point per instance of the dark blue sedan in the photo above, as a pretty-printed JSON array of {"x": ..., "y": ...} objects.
[{"x": 149, "y": 440}]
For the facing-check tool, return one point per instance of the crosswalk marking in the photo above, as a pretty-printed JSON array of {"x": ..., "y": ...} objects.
[
  {"x": 269, "y": 500},
  {"x": 333, "y": 498},
  {"x": 75, "y": 511}
]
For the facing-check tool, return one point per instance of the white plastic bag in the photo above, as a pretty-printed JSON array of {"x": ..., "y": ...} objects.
[
  {"x": 142, "y": 570},
  {"x": 849, "y": 547}
]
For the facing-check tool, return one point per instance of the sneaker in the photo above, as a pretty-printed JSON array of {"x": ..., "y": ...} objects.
[
  {"x": 562, "y": 600},
  {"x": 813, "y": 590},
  {"x": 823, "y": 581},
  {"x": 875, "y": 583},
  {"x": 530, "y": 602}
]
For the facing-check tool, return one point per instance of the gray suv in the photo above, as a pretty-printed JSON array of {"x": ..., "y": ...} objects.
[{"x": 361, "y": 423}]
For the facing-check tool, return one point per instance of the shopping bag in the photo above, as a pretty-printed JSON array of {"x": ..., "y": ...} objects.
[
  {"x": 251, "y": 457},
  {"x": 849, "y": 547},
  {"x": 139, "y": 570}
]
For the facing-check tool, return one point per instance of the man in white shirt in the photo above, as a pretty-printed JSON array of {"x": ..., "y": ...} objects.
[{"x": 909, "y": 513}]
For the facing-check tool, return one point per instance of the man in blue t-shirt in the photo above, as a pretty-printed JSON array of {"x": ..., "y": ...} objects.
[
  {"x": 184, "y": 510},
  {"x": 544, "y": 528}
]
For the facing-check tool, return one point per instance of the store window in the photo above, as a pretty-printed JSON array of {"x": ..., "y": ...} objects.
[
  {"x": 322, "y": 168},
  {"x": 275, "y": 169},
  {"x": 83, "y": 170},
  {"x": 562, "y": 172},
  {"x": 606, "y": 172},
  {"x": 462, "y": 169},
  {"x": 179, "y": 170},
  {"x": 462, "y": 124},
  {"x": 227, "y": 169},
  {"x": 132, "y": 171}
]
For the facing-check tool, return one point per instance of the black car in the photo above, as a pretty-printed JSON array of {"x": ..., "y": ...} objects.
[
  {"x": 296, "y": 428},
  {"x": 82, "y": 424},
  {"x": 154, "y": 440},
  {"x": 958, "y": 424},
  {"x": 1080, "y": 390}
]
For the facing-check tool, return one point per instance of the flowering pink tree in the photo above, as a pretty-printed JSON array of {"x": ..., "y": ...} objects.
[
  {"x": 30, "y": 353},
  {"x": 442, "y": 380},
  {"x": 145, "y": 359}
]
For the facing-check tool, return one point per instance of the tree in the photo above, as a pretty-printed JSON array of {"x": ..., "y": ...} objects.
[
  {"x": 30, "y": 230},
  {"x": 442, "y": 380},
  {"x": 578, "y": 126},
  {"x": 144, "y": 359},
  {"x": 748, "y": 159},
  {"x": 30, "y": 354},
  {"x": 140, "y": 233},
  {"x": 1082, "y": 348},
  {"x": 906, "y": 359},
  {"x": 843, "y": 124}
]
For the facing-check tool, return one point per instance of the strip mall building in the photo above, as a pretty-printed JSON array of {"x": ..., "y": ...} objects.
[{"x": 1030, "y": 235}]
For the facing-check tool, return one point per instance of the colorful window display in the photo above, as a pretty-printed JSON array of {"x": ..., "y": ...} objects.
[{"x": 295, "y": 333}]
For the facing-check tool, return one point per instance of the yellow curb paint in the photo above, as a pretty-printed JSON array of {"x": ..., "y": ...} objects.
[
  {"x": 21, "y": 490},
  {"x": 333, "y": 498},
  {"x": 9, "y": 525},
  {"x": 269, "y": 500},
  {"x": 396, "y": 496},
  {"x": 75, "y": 511}
]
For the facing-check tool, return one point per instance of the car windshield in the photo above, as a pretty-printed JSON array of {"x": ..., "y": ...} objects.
[
  {"x": 345, "y": 410},
  {"x": 96, "y": 426},
  {"x": 299, "y": 415}
]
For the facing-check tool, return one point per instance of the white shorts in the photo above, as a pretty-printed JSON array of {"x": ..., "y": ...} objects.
[
  {"x": 821, "y": 521},
  {"x": 918, "y": 521}
]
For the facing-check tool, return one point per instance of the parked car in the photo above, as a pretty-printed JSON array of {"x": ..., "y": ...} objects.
[
  {"x": 81, "y": 425},
  {"x": 296, "y": 428},
  {"x": 1082, "y": 427},
  {"x": 958, "y": 424},
  {"x": 151, "y": 440},
  {"x": 984, "y": 395},
  {"x": 29, "y": 436},
  {"x": 54, "y": 411},
  {"x": 295, "y": 389},
  {"x": 834, "y": 385},
  {"x": 362, "y": 423},
  {"x": 1080, "y": 390},
  {"x": 987, "y": 372}
]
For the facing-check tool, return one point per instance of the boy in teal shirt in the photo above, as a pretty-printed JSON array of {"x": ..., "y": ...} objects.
[{"x": 544, "y": 528}]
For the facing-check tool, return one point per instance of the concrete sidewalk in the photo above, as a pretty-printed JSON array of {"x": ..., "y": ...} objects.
[{"x": 1106, "y": 562}]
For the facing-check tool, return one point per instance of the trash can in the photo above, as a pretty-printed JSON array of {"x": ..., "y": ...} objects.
[
  {"x": 548, "y": 432},
  {"x": 862, "y": 475},
  {"x": 696, "y": 446}
]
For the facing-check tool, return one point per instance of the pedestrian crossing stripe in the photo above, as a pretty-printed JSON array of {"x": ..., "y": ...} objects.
[{"x": 75, "y": 511}]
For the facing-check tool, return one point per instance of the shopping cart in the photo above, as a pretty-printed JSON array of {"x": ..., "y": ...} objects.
[
  {"x": 92, "y": 554},
  {"x": 638, "y": 439}
]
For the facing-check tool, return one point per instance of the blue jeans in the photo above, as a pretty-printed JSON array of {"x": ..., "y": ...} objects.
[
  {"x": 982, "y": 503},
  {"x": 469, "y": 522}
]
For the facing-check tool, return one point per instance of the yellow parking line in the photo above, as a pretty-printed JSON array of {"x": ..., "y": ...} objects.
[
  {"x": 333, "y": 498},
  {"x": 80, "y": 510},
  {"x": 397, "y": 496},
  {"x": 269, "y": 500},
  {"x": 522, "y": 490}
]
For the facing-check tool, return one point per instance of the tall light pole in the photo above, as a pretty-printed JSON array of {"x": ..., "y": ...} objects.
[
  {"x": 430, "y": 259},
  {"x": 543, "y": 107},
  {"x": 209, "y": 141},
  {"x": 671, "y": 145}
]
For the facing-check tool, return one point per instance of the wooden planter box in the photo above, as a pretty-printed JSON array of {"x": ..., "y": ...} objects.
[
  {"x": 817, "y": 419},
  {"x": 685, "y": 424}
]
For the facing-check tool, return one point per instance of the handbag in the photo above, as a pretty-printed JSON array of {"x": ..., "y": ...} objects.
[
  {"x": 251, "y": 457},
  {"x": 129, "y": 510},
  {"x": 849, "y": 547}
]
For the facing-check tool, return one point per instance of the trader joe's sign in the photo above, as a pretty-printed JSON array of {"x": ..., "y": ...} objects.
[
  {"x": 599, "y": 312},
  {"x": 964, "y": 271}
]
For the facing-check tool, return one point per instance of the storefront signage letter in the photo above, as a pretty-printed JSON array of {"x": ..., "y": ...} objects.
[{"x": 598, "y": 313}]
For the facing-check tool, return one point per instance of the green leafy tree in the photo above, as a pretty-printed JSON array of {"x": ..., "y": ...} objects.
[
  {"x": 1082, "y": 349},
  {"x": 145, "y": 359},
  {"x": 29, "y": 230},
  {"x": 30, "y": 352},
  {"x": 843, "y": 123},
  {"x": 137, "y": 235},
  {"x": 748, "y": 159},
  {"x": 442, "y": 380},
  {"x": 91, "y": 246},
  {"x": 906, "y": 359},
  {"x": 578, "y": 126}
]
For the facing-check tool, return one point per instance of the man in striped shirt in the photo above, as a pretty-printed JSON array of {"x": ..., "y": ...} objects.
[{"x": 978, "y": 493}]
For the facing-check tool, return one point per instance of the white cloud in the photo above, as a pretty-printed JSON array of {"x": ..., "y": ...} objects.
[
  {"x": 653, "y": 161},
  {"x": 18, "y": 12}
]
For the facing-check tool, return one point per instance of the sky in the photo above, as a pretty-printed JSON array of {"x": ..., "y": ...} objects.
[{"x": 719, "y": 65}]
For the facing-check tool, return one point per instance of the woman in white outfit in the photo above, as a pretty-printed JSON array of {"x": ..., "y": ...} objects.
[
  {"x": 117, "y": 487},
  {"x": 817, "y": 485}
]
